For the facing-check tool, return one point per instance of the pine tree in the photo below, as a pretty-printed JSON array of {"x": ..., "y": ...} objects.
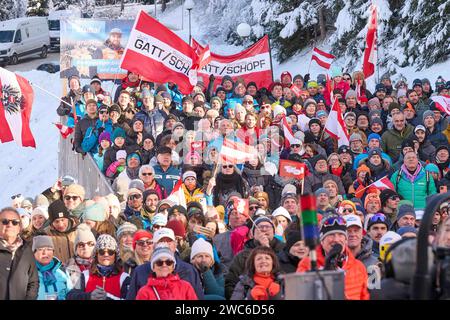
[
  {"x": 7, "y": 10},
  {"x": 37, "y": 8}
]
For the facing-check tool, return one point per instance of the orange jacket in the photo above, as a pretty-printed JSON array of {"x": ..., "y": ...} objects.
[{"x": 355, "y": 281}]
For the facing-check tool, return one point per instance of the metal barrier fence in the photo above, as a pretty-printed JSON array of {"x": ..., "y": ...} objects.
[{"x": 84, "y": 169}]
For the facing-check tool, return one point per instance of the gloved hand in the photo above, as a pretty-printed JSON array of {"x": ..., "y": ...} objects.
[
  {"x": 203, "y": 267},
  {"x": 212, "y": 78},
  {"x": 98, "y": 294},
  {"x": 100, "y": 130},
  {"x": 306, "y": 78}
]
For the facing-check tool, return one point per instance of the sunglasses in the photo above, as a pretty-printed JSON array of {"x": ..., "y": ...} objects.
[
  {"x": 347, "y": 210},
  {"x": 347, "y": 78},
  {"x": 160, "y": 263},
  {"x": 89, "y": 244},
  {"x": 253, "y": 207},
  {"x": 15, "y": 222},
  {"x": 394, "y": 197},
  {"x": 156, "y": 227},
  {"x": 134, "y": 196},
  {"x": 142, "y": 243},
  {"x": 379, "y": 217},
  {"x": 247, "y": 102},
  {"x": 227, "y": 166},
  {"x": 295, "y": 145},
  {"x": 16, "y": 196},
  {"x": 334, "y": 220},
  {"x": 266, "y": 107},
  {"x": 103, "y": 112},
  {"x": 110, "y": 252},
  {"x": 147, "y": 174},
  {"x": 74, "y": 198}
]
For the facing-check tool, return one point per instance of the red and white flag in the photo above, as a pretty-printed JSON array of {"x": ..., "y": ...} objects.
[
  {"x": 204, "y": 56},
  {"x": 237, "y": 152},
  {"x": 383, "y": 183},
  {"x": 292, "y": 169},
  {"x": 159, "y": 55},
  {"x": 335, "y": 125},
  {"x": 177, "y": 196},
  {"x": 370, "y": 52},
  {"x": 288, "y": 134},
  {"x": 442, "y": 103},
  {"x": 253, "y": 64},
  {"x": 16, "y": 102},
  {"x": 323, "y": 59},
  {"x": 64, "y": 130}
]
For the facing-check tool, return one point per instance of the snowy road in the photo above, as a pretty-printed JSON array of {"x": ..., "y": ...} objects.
[{"x": 31, "y": 63}]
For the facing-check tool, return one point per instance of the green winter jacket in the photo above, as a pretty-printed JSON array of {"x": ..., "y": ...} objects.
[
  {"x": 391, "y": 141},
  {"x": 416, "y": 191}
]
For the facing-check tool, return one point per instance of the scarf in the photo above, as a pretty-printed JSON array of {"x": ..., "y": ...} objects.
[
  {"x": 83, "y": 262},
  {"x": 409, "y": 176},
  {"x": 265, "y": 287},
  {"x": 105, "y": 271},
  {"x": 127, "y": 83},
  {"x": 12, "y": 247},
  {"x": 48, "y": 275},
  {"x": 337, "y": 171},
  {"x": 133, "y": 173}
]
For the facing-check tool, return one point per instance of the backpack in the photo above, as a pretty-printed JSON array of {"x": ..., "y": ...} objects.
[{"x": 427, "y": 174}]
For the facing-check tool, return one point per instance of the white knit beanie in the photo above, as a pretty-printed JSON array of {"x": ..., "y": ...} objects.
[
  {"x": 201, "y": 246},
  {"x": 43, "y": 211},
  {"x": 84, "y": 234}
]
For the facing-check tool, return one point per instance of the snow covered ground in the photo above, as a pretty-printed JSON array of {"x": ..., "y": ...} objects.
[{"x": 30, "y": 171}]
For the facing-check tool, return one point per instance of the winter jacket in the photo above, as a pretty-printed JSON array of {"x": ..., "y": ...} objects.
[
  {"x": 71, "y": 97},
  {"x": 226, "y": 184},
  {"x": 355, "y": 280},
  {"x": 256, "y": 176},
  {"x": 74, "y": 271},
  {"x": 63, "y": 241},
  {"x": 316, "y": 180},
  {"x": 168, "y": 288},
  {"x": 324, "y": 141},
  {"x": 288, "y": 262},
  {"x": 243, "y": 289},
  {"x": 222, "y": 242},
  {"x": 415, "y": 191},
  {"x": 195, "y": 195},
  {"x": 426, "y": 151},
  {"x": 90, "y": 139},
  {"x": 365, "y": 255},
  {"x": 167, "y": 179},
  {"x": 437, "y": 138},
  {"x": 185, "y": 271},
  {"x": 213, "y": 283},
  {"x": 18, "y": 276},
  {"x": 237, "y": 267},
  {"x": 110, "y": 156},
  {"x": 391, "y": 141},
  {"x": 81, "y": 128},
  {"x": 115, "y": 284},
  {"x": 153, "y": 121},
  {"x": 60, "y": 285}
]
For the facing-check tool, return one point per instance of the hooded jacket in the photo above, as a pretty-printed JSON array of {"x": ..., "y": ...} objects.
[
  {"x": 316, "y": 180},
  {"x": 63, "y": 241},
  {"x": 355, "y": 281},
  {"x": 53, "y": 280},
  {"x": 168, "y": 288},
  {"x": 391, "y": 141},
  {"x": 153, "y": 121}
]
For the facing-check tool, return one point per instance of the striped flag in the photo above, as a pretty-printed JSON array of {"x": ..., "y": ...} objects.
[
  {"x": 335, "y": 125},
  {"x": 370, "y": 52},
  {"x": 237, "y": 152},
  {"x": 323, "y": 59},
  {"x": 442, "y": 102},
  {"x": 16, "y": 102},
  {"x": 64, "y": 130},
  {"x": 204, "y": 57},
  {"x": 288, "y": 134},
  {"x": 177, "y": 195},
  {"x": 383, "y": 183}
]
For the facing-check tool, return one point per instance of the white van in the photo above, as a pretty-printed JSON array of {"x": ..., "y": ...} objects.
[
  {"x": 54, "y": 19},
  {"x": 23, "y": 37}
]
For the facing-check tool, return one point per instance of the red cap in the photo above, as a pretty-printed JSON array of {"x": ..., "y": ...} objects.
[
  {"x": 177, "y": 227},
  {"x": 138, "y": 235}
]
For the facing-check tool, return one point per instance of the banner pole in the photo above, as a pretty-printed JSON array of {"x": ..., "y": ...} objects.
[
  {"x": 270, "y": 55},
  {"x": 49, "y": 93}
]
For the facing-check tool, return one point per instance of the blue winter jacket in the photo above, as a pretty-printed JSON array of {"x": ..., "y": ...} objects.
[
  {"x": 53, "y": 280},
  {"x": 90, "y": 139},
  {"x": 167, "y": 179}
]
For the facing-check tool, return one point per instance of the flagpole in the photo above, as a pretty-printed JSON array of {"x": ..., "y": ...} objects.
[
  {"x": 369, "y": 185},
  {"x": 270, "y": 56},
  {"x": 49, "y": 93}
]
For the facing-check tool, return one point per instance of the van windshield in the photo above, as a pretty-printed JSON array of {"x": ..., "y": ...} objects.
[
  {"x": 6, "y": 36},
  {"x": 53, "y": 25}
]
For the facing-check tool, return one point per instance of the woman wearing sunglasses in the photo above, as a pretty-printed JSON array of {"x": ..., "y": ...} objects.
[
  {"x": 105, "y": 278},
  {"x": 163, "y": 284},
  {"x": 82, "y": 259},
  {"x": 142, "y": 251}
]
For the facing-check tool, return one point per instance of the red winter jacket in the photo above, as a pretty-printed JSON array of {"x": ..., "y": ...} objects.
[{"x": 168, "y": 288}]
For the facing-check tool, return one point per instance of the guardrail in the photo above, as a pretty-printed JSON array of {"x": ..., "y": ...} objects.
[{"x": 84, "y": 169}]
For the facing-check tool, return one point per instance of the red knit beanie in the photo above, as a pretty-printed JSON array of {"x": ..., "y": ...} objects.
[
  {"x": 139, "y": 235},
  {"x": 177, "y": 227}
]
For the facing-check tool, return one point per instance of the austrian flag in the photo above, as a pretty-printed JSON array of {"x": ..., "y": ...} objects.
[
  {"x": 16, "y": 101},
  {"x": 236, "y": 152},
  {"x": 323, "y": 59}
]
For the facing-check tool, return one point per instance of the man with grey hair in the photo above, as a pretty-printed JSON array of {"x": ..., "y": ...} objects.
[{"x": 18, "y": 273}]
